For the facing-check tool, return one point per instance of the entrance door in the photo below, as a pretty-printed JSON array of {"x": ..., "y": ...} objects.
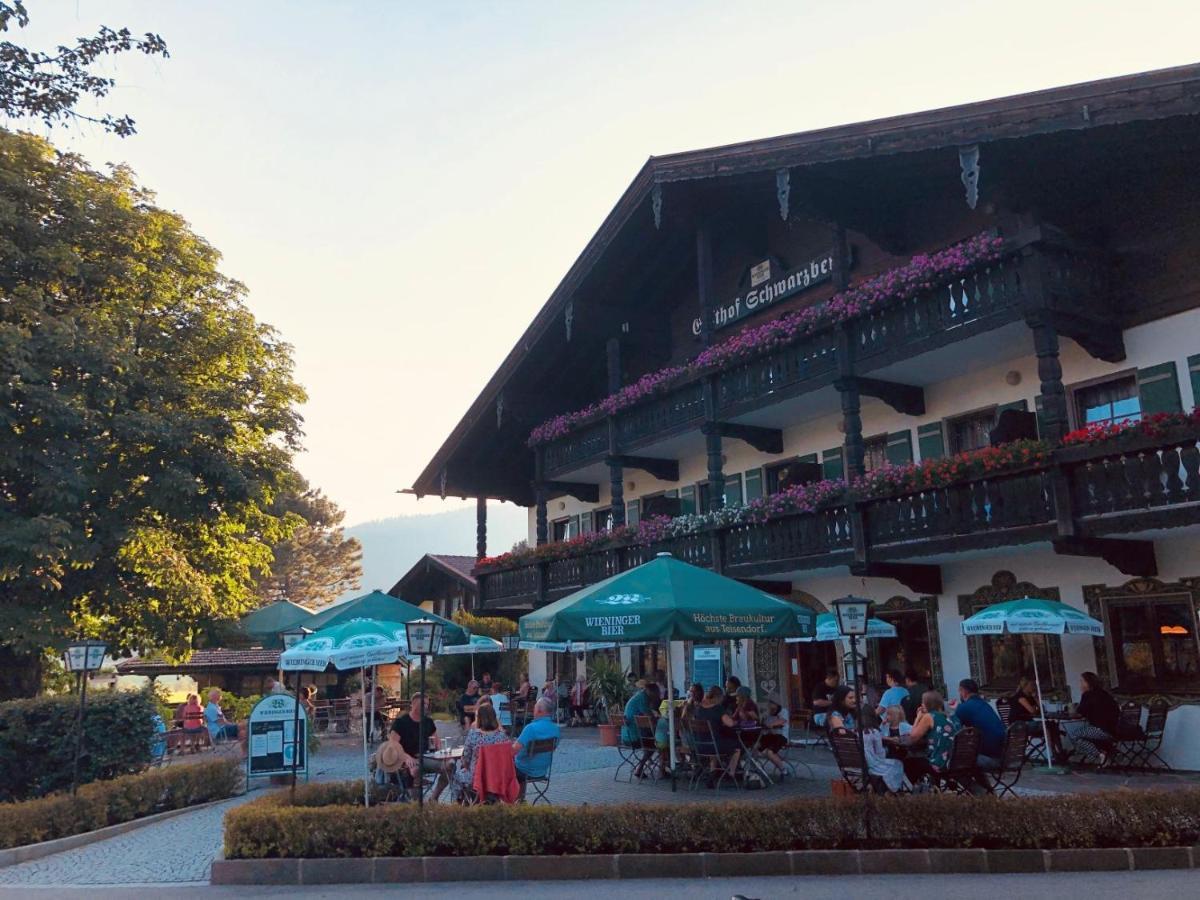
[
  {"x": 910, "y": 649},
  {"x": 806, "y": 668}
]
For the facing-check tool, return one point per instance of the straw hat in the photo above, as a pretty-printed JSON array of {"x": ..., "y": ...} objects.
[{"x": 390, "y": 758}]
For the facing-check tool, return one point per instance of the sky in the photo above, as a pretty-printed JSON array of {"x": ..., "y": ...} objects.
[{"x": 401, "y": 185}]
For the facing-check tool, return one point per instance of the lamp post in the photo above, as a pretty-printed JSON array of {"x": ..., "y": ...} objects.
[
  {"x": 511, "y": 642},
  {"x": 424, "y": 638},
  {"x": 853, "y": 613},
  {"x": 82, "y": 657}
]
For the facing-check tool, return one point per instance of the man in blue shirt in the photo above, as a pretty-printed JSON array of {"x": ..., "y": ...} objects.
[
  {"x": 895, "y": 693},
  {"x": 542, "y": 727},
  {"x": 975, "y": 712}
]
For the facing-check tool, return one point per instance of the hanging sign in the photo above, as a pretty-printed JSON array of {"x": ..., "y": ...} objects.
[
  {"x": 273, "y": 739},
  {"x": 768, "y": 286},
  {"x": 706, "y": 665}
]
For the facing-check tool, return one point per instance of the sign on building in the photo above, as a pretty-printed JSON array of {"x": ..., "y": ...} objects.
[
  {"x": 276, "y": 738},
  {"x": 706, "y": 665},
  {"x": 768, "y": 286}
]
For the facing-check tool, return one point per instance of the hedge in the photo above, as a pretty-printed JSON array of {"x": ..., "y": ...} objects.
[
  {"x": 37, "y": 741},
  {"x": 324, "y": 823},
  {"x": 104, "y": 803}
]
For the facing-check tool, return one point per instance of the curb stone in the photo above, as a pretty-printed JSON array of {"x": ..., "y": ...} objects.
[
  {"x": 15, "y": 855},
  {"x": 411, "y": 870}
]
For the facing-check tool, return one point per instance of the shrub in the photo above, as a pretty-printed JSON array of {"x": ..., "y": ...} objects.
[
  {"x": 37, "y": 741},
  {"x": 274, "y": 827},
  {"x": 119, "y": 800}
]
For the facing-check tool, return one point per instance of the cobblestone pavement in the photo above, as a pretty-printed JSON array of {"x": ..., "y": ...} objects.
[{"x": 181, "y": 849}]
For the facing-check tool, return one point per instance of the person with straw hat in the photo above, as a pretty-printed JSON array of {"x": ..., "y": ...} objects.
[{"x": 392, "y": 764}]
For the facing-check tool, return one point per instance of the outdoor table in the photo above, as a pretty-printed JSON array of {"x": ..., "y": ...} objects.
[
  {"x": 447, "y": 755},
  {"x": 750, "y": 738},
  {"x": 910, "y": 748}
]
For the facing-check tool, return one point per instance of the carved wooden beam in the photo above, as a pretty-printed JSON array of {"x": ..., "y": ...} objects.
[
  {"x": 765, "y": 440},
  {"x": 585, "y": 493},
  {"x": 662, "y": 469},
  {"x": 1129, "y": 557},
  {"x": 907, "y": 399},
  {"x": 923, "y": 579},
  {"x": 1102, "y": 339}
]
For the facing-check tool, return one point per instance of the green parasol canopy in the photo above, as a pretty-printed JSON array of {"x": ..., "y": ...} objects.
[
  {"x": 385, "y": 608},
  {"x": 266, "y": 622},
  {"x": 666, "y": 599}
]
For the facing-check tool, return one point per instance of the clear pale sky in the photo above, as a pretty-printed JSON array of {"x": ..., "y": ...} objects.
[{"x": 401, "y": 185}]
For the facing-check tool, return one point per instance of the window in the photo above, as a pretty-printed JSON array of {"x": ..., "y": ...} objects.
[
  {"x": 875, "y": 453},
  {"x": 687, "y": 500},
  {"x": 558, "y": 529},
  {"x": 1108, "y": 402},
  {"x": 1152, "y": 642},
  {"x": 601, "y": 520},
  {"x": 784, "y": 475},
  {"x": 971, "y": 432},
  {"x": 733, "y": 490},
  {"x": 754, "y": 486},
  {"x": 702, "y": 496}
]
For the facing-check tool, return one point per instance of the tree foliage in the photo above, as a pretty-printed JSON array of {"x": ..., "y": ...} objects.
[
  {"x": 147, "y": 421},
  {"x": 48, "y": 85},
  {"x": 317, "y": 562}
]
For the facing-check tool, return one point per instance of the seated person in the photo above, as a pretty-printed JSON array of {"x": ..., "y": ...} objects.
[
  {"x": 777, "y": 723},
  {"x": 541, "y": 727},
  {"x": 843, "y": 709},
  {"x": 916, "y": 690},
  {"x": 712, "y": 712},
  {"x": 392, "y": 766},
  {"x": 1023, "y": 701},
  {"x": 192, "y": 715},
  {"x": 501, "y": 705},
  {"x": 1095, "y": 737},
  {"x": 895, "y": 693},
  {"x": 417, "y": 734},
  {"x": 732, "y": 683},
  {"x": 889, "y": 771},
  {"x": 218, "y": 726},
  {"x": 487, "y": 730},
  {"x": 469, "y": 698},
  {"x": 822, "y": 698},
  {"x": 975, "y": 712},
  {"x": 644, "y": 703},
  {"x": 937, "y": 730},
  {"x": 895, "y": 727}
]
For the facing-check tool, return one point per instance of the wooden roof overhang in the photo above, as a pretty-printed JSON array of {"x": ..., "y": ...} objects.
[{"x": 857, "y": 175}]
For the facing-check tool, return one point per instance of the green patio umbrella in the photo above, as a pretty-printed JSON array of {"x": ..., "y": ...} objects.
[
  {"x": 385, "y": 608},
  {"x": 1032, "y": 615},
  {"x": 666, "y": 600}
]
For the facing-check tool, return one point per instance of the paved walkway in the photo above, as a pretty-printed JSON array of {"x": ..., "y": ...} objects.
[{"x": 181, "y": 849}]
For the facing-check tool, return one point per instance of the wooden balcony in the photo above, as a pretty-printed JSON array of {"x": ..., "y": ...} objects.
[
  {"x": 1080, "y": 501},
  {"x": 1037, "y": 271}
]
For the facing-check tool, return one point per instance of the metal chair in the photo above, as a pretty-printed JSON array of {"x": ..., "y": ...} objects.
[
  {"x": 962, "y": 769},
  {"x": 540, "y": 783},
  {"x": 647, "y": 746},
  {"x": 1129, "y": 736},
  {"x": 1152, "y": 738},
  {"x": 1001, "y": 781},
  {"x": 850, "y": 759},
  {"x": 707, "y": 749}
]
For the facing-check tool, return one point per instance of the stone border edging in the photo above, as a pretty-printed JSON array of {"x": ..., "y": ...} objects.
[
  {"x": 417, "y": 869},
  {"x": 15, "y": 855}
]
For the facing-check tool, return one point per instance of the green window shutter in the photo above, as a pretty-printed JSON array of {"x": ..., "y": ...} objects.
[
  {"x": 1194, "y": 372},
  {"x": 1041, "y": 416},
  {"x": 899, "y": 447},
  {"x": 931, "y": 441},
  {"x": 673, "y": 492},
  {"x": 1019, "y": 406},
  {"x": 754, "y": 484},
  {"x": 832, "y": 465},
  {"x": 573, "y": 527},
  {"x": 687, "y": 499},
  {"x": 633, "y": 512},
  {"x": 1158, "y": 389},
  {"x": 733, "y": 490}
]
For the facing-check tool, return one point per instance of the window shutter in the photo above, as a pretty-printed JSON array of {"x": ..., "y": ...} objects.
[
  {"x": 687, "y": 500},
  {"x": 573, "y": 527},
  {"x": 809, "y": 458},
  {"x": 832, "y": 465},
  {"x": 733, "y": 491},
  {"x": 754, "y": 484},
  {"x": 585, "y": 522},
  {"x": 899, "y": 447},
  {"x": 931, "y": 441},
  {"x": 1158, "y": 389},
  {"x": 1041, "y": 416},
  {"x": 1194, "y": 372},
  {"x": 633, "y": 512}
]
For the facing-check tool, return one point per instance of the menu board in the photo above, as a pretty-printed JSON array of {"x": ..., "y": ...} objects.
[
  {"x": 706, "y": 665},
  {"x": 276, "y": 738}
]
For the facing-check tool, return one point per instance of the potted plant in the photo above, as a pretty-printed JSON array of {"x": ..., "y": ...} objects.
[{"x": 607, "y": 680}]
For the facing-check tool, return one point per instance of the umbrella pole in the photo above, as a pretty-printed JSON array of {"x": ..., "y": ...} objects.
[
  {"x": 366, "y": 763},
  {"x": 1045, "y": 727},
  {"x": 374, "y": 681},
  {"x": 670, "y": 716}
]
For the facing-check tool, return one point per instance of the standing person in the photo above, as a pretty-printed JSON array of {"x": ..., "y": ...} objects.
[
  {"x": 501, "y": 705},
  {"x": 308, "y": 701},
  {"x": 408, "y": 729},
  {"x": 541, "y": 728},
  {"x": 562, "y": 696},
  {"x": 822, "y": 698},
  {"x": 1096, "y": 736},
  {"x": 579, "y": 701},
  {"x": 975, "y": 712},
  {"x": 895, "y": 694},
  {"x": 916, "y": 690}
]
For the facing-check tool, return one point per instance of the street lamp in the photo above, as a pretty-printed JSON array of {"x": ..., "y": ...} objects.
[
  {"x": 853, "y": 613},
  {"x": 293, "y": 636},
  {"x": 82, "y": 657},
  {"x": 424, "y": 638},
  {"x": 511, "y": 641}
]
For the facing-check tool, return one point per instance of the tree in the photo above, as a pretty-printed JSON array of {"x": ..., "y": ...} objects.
[
  {"x": 317, "y": 562},
  {"x": 48, "y": 85},
  {"x": 147, "y": 421}
]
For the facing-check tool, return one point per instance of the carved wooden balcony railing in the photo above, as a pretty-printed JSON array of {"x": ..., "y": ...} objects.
[
  {"x": 1040, "y": 270},
  {"x": 1139, "y": 484}
]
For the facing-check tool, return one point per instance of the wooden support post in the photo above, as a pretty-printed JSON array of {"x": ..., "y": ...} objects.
[
  {"x": 712, "y": 447},
  {"x": 541, "y": 528},
  {"x": 480, "y": 527},
  {"x": 1054, "y": 395},
  {"x": 704, "y": 283},
  {"x": 616, "y": 470}
]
